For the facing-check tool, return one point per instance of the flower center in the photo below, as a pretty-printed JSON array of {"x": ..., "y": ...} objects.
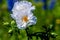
[{"x": 25, "y": 18}]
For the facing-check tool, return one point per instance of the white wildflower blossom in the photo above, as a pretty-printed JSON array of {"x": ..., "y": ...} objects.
[{"x": 21, "y": 12}]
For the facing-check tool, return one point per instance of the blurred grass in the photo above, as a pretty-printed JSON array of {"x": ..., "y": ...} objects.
[{"x": 42, "y": 18}]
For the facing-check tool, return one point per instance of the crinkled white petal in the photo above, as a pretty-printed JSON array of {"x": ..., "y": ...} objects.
[
  {"x": 32, "y": 20},
  {"x": 23, "y": 26},
  {"x": 23, "y": 6}
]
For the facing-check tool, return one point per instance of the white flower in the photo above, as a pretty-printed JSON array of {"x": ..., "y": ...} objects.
[{"x": 21, "y": 12}]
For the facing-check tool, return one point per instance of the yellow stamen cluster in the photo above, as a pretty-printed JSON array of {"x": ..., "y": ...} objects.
[{"x": 25, "y": 18}]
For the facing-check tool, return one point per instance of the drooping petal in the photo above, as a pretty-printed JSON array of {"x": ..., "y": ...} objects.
[{"x": 32, "y": 20}]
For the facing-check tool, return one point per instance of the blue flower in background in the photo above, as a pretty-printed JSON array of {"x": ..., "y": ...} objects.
[
  {"x": 36, "y": 0},
  {"x": 44, "y": 1},
  {"x": 10, "y": 4},
  {"x": 45, "y": 4},
  {"x": 1, "y": 1},
  {"x": 52, "y": 4}
]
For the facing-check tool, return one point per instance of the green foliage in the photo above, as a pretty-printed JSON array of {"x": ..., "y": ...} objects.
[{"x": 8, "y": 25}]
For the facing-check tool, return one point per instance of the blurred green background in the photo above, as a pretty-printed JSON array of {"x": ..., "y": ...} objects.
[{"x": 43, "y": 17}]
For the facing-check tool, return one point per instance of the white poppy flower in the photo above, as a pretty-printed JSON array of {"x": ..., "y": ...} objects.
[{"x": 21, "y": 12}]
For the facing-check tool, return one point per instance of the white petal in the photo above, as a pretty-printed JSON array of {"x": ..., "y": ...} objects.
[
  {"x": 30, "y": 15},
  {"x": 23, "y": 26},
  {"x": 32, "y": 21},
  {"x": 32, "y": 8}
]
